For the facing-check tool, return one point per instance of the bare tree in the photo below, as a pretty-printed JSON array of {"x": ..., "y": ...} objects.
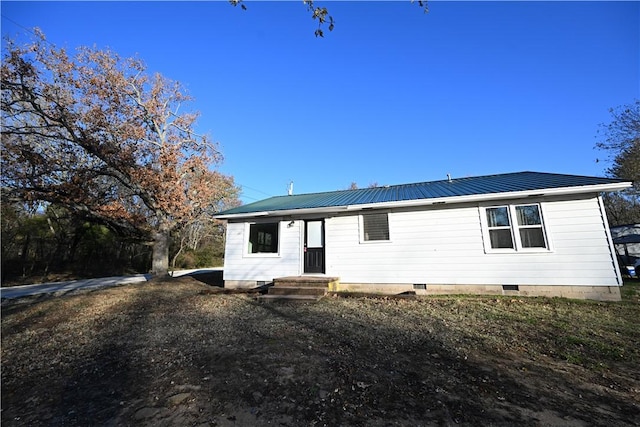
[
  {"x": 620, "y": 138},
  {"x": 321, "y": 14}
]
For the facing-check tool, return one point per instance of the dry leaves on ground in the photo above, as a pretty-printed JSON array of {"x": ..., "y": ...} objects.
[{"x": 180, "y": 352}]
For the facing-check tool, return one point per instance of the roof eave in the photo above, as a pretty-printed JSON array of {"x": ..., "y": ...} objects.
[
  {"x": 283, "y": 212},
  {"x": 599, "y": 188}
]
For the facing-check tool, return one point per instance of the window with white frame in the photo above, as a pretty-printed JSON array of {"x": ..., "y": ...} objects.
[
  {"x": 375, "y": 227},
  {"x": 499, "y": 226},
  {"x": 529, "y": 223},
  {"x": 263, "y": 238},
  {"x": 514, "y": 227}
]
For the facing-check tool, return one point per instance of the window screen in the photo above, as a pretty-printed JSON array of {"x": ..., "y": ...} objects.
[{"x": 375, "y": 226}]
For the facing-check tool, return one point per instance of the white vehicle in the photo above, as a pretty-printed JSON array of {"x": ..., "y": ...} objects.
[{"x": 632, "y": 270}]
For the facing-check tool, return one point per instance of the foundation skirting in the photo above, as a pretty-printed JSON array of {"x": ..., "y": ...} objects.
[{"x": 600, "y": 293}]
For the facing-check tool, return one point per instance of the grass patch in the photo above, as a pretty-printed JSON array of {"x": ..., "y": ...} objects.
[{"x": 630, "y": 291}]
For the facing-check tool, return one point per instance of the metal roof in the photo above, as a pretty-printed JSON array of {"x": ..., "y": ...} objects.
[{"x": 458, "y": 188}]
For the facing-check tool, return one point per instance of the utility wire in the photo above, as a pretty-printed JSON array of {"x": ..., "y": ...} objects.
[
  {"x": 254, "y": 189},
  {"x": 29, "y": 30}
]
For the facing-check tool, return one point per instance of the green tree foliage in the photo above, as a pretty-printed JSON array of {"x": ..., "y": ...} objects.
[
  {"x": 53, "y": 243},
  {"x": 200, "y": 242},
  {"x": 208, "y": 252},
  {"x": 620, "y": 139}
]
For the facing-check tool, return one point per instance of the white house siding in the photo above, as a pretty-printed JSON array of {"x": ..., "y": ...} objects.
[
  {"x": 241, "y": 266},
  {"x": 445, "y": 246}
]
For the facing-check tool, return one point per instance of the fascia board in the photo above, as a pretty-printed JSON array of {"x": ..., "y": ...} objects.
[
  {"x": 439, "y": 201},
  {"x": 242, "y": 215},
  {"x": 288, "y": 212}
]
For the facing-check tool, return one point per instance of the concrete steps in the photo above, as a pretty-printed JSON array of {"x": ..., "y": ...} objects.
[
  {"x": 299, "y": 288},
  {"x": 292, "y": 298}
]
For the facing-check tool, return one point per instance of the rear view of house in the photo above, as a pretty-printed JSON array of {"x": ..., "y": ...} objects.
[{"x": 525, "y": 233}]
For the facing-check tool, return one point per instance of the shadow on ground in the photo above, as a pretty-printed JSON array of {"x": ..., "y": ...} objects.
[{"x": 212, "y": 278}]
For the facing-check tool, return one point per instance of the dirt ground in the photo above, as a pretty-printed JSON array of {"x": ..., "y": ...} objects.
[{"x": 183, "y": 352}]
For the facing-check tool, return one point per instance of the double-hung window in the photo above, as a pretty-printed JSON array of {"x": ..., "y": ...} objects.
[
  {"x": 499, "y": 226},
  {"x": 529, "y": 223},
  {"x": 514, "y": 228}
]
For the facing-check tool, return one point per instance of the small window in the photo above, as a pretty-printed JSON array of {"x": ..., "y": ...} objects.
[
  {"x": 263, "y": 238},
  {"x": 514, "y": 227},
  {"x": 375, "y": 227}
]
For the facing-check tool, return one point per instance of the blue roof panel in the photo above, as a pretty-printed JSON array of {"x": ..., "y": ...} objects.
[{"x": 489, "y": 184}]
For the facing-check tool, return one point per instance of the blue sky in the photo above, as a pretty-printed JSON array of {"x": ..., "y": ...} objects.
[{"x": 391, "y": 96}]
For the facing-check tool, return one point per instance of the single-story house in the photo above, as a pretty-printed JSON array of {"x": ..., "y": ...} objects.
[{"x": 524, "y": 233}]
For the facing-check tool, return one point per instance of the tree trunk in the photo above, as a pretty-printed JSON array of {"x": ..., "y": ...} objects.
[
  {"x": 175, "y": 257},
  {"x": 160, "y": 258}
]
